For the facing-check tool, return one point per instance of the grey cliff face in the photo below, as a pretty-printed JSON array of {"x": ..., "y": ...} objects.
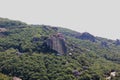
[{"x": 57, "y": 43}]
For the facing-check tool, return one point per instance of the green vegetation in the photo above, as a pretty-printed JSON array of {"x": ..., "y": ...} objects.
[
  {"x": 6, "y": 23},
  {"x": 24, "y": 55},
  {"x": 4, "y": 77}
]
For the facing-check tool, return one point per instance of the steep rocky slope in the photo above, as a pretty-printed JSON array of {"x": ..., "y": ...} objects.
[{"x": 43, "y": 52}]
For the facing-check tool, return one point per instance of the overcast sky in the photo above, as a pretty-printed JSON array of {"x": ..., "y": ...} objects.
[{"x": 98, "y": 17}]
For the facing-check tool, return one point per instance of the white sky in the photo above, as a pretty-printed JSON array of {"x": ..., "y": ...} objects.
[{"x": 98, "y": 17}]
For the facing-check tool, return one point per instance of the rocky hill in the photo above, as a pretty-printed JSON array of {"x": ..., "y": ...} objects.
[{"x": 42, "y": 52}]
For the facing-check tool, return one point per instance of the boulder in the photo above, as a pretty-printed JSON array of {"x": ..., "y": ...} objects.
[
  {"x": 3, "y": 29},
  {"x": 76, "y": 73},
  {"x": 16, "y": 78}
]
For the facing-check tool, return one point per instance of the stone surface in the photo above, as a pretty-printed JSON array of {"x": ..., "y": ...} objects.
[
  {"x": 104, "y": 44},
  {"x": 76, "y": 73},
  {"x": 86, "y": 36},
  {"x": 117, "y": 42},
  {"x": 16, "y": 78},
  {"x": 3, "y": 29},
  {"x": 57, "y": 43}
]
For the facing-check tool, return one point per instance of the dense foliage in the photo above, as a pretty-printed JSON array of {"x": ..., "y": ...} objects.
[
  {"x": 4, "y": 77},
  {"x": 24, "y": 55}
]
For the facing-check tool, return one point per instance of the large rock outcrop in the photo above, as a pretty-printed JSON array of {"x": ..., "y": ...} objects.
[
  {"x": 104, "y": 44},
  {"x": 3, "y": 29},
  {"x": 56, "y": 42},
  {"x": 86, "y": 36},
  {"x": 117, "y": 42}
]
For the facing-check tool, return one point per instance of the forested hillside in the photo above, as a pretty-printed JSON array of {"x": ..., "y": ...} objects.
[{"x": 42, "y": 52}]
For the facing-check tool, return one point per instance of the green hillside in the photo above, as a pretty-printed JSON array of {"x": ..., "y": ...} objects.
[{"x": 42, "y": 52}]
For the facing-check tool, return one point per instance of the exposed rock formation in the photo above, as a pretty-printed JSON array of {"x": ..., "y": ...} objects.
[
  {"x": 111, "y": 75},
  {"x": 76, "y": 73},
  {"x": 104, "y": 44},
  {"x": 86, "y": 36},
  {"x": 16, "y": 78},
  {"x": 57, "y": 43},
  {"x": 117, "y": 42},
  {"x": 3, "y": 29}
]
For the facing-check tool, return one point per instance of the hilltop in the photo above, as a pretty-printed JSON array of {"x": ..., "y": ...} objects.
[{"x": 45, "y": 52}]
